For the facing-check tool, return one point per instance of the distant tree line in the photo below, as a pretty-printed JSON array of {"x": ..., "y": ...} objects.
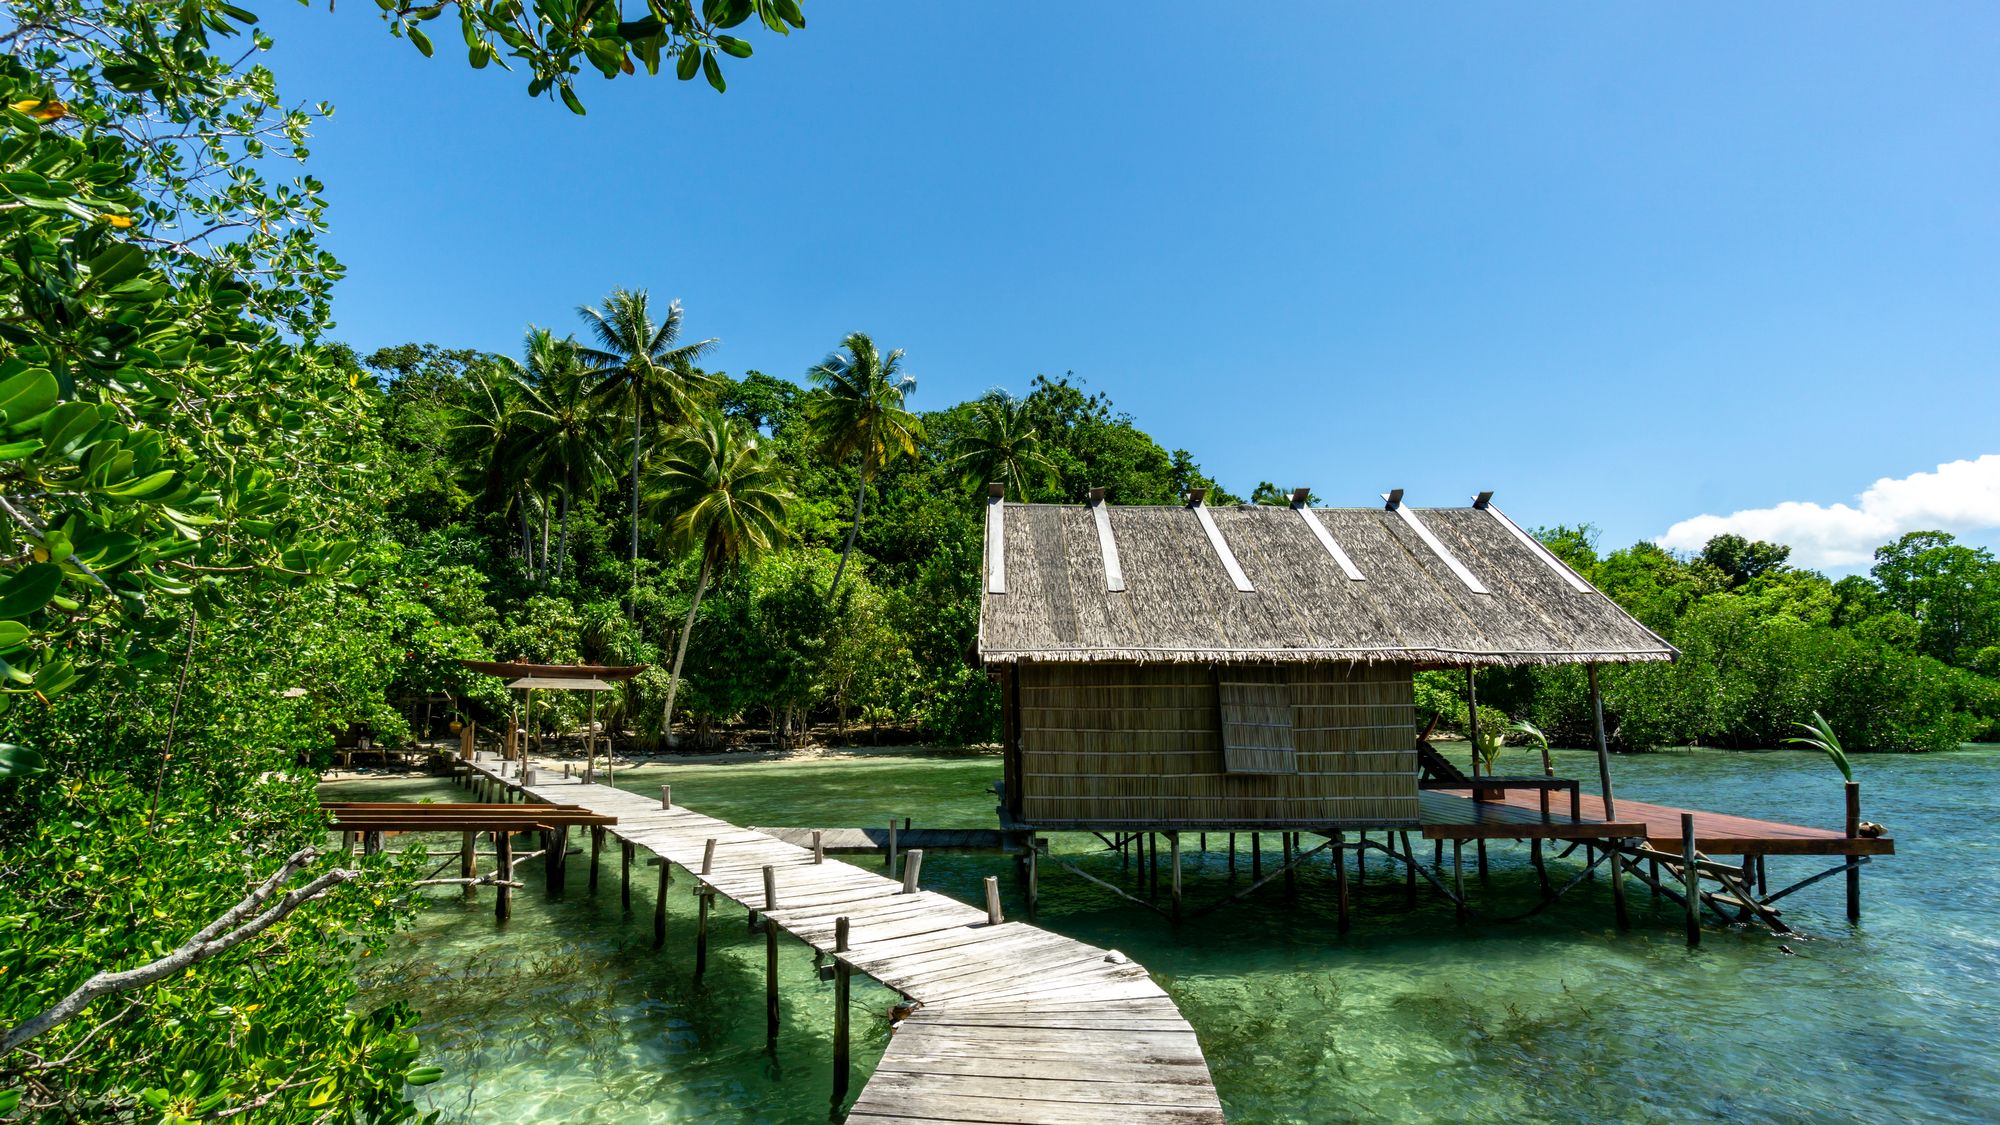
[{"x": 1904, "y": 658}]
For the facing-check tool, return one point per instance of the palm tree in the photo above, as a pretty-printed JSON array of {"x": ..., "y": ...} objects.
[
  {"x": 485, "y": 433},
  {"x": 643, "y": 362},
  {"x": 562, "y": 439},
  {"x": 717, "y": 491},
  {"x": 1003, "y": 446},
  {"x": 859, "y": 412}
]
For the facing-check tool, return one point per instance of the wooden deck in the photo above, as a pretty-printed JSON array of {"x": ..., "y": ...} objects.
[
  {"x": 1518, "y": 816},
  {"x": 1015, "y": 1024}
]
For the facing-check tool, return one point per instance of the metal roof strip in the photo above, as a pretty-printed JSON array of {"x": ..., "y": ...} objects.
[
  {"x": 1114, "y": 571},
  {"x": 1534, "y": 545},
  {"x": 1222, "y": 550},
  {"x": 1326, "y": 540},
  {"x": 1437, "y": 548},
  {"x": 996, "y": 546}
]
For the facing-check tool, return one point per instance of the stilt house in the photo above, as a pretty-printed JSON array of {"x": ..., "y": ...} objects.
[{"x": 1170, "y": 667}]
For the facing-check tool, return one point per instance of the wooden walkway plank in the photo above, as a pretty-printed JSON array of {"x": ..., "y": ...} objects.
[{"x": 1014, "y": 1026}]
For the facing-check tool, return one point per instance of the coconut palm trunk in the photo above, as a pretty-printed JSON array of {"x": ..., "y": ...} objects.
[
  {"x": 854, "y": 529},
  {"x": 681, "y": 649},
  {"x": 562, "y": 541},
  {"x": 634, "y": 611}
]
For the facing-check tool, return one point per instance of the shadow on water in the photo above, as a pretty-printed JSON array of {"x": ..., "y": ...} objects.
[{"x": 570, "y": 1015}]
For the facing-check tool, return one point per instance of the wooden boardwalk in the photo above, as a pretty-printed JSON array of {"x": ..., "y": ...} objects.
[
  {"x": 1518, "y": 816},
  {"x": 1014, "y": 1024}
]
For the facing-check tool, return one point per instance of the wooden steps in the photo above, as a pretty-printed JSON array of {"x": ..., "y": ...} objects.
[{"x": 1015, "y": 1025}]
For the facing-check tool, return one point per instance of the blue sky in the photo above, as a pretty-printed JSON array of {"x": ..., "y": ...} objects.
[{"x": 1626, "y": 265}]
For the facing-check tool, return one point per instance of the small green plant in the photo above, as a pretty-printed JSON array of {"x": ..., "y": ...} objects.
[
  {"x": 1819, "y": 735},
  {"x": 1487, "y": 744}
]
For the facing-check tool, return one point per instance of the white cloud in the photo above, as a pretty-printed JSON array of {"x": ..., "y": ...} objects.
[{"x": 1960, "y": 497}]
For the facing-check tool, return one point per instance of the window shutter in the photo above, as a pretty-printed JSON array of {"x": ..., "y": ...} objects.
[{"x": 1256, "y": 727}]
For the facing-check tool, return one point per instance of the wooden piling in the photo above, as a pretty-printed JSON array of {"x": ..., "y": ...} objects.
[
  {"x": 503, "y": 898},
  {"x": 913, "y": 865},
  {"x": 1340, "y": 880},
  {"x": 1409, "y": 872},
  {"x": 1034, "y": 876},
  {"x": 889, "y": 858},
  {"x": 1691, "y": 880},
  {"x": 770, "y": 971},
  {"x": 666, "y": 797},
  {"x": 625, "y": 850},
  {"x": 660, "y": 905},
  {"x": 707, "y": 855},
  {"x": 1541, "y": 868},
  {"x": 468, "y": 859},
  {"x": 1853, "y": 869},
  {"x": 770, "y": 887},
  {"x": 819, "y": 846},
  {"x": 1174, "y": 848},
  {"x": 704, "y": 902},
  {"x": 1153, "y": 864},
  {"x": 841, "y": 985},
  {"x": 1361, "y": 861},
  {"x": 1618, "y": 910},
  {"x": 1256, "y": 855},
  {"x": 596, "y": 853},
  {"x": 993, "y": 900},
  {"x": 1291, "y": 873},
  {"x": 1458, "y": 876},
  {"x": 1232, "y": 855}
]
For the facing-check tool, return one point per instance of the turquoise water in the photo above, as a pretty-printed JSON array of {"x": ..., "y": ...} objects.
[{"x": 569, "y": 1015}]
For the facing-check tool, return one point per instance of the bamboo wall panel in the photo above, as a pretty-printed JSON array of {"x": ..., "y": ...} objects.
[{"x": 1130, "y": 744}]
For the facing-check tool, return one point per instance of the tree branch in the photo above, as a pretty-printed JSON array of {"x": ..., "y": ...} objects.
[{"x": 216, "y": 937}]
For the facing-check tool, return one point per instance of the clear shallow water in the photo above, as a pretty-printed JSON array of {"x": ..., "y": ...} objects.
[{"x": 570, "y": 1016}]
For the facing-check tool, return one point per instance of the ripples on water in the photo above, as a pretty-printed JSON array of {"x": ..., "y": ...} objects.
[{"x": 568, "y": 1014}]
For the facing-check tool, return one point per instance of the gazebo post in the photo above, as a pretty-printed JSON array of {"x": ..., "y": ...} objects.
[{"x": 1603, "y": 748}]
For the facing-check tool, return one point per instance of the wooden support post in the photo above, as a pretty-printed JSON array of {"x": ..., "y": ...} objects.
[
  {"x": 993, "y": 900},
  {"x": 468, "y": 859},
  {"x": 770, "y": 975},
  {"x": 1603, "y": 748},
  {"x": 1034, "y": 876},
  {"x": 1853, "y": 869},
  {"x": 1232, "y": 855},
  {"x": 1617, "y": 861},
  {"x": 704, "y": 902},
  {"x": 1202, "y": 845},
  {"x": 347, "y": 842},
  {"x": 1174, "y": 851},
  {"x": 1541, "y": 869},
  {"x": 1409, "y": 871},
  {"x": 1482, "y": 859},
  {"x": 1256, "y": 855},
  {"x": 596, "y": 853},
  {"x": 841, "y": 984},
  {"x": 1291, "y": 874},
  {"x": 1691, "y": 880},
  {"x": 819, "y": 846},
  {"x": 1458, "y": 876},
  {"x": 889, "y": 857},
  {"x": 1153, "y": 864},
  {"x": 371, "y": 842},
  {"x": 770, "y": 887},
  {"x": 625, "y": 850},
  {"x": 1340, "y": 879},
  {"x": 660, "y": 904},
  {"x": 666, "y": 797},
  {"x": 1656, "y": 876},
  {"x": 707, "y": 855},
  {"x": 503, "y": 898},
  {"x": 913, "y": 865},
  {"x": 1437, "y": 856}
]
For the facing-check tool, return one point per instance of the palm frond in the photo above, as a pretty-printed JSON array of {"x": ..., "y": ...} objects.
[{"x": 1819, "y": 736}]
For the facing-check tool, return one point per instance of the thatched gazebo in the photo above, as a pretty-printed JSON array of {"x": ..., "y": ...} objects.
[
  {"x": 526, "y": 678},
  {"x": 1250, "y": 667}
]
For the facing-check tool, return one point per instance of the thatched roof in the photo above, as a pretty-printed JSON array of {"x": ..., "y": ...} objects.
[{"x": 1047, "y": 597}]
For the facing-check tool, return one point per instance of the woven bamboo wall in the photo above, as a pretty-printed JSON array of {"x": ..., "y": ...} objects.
[{"x": 1104, "y": 745}]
